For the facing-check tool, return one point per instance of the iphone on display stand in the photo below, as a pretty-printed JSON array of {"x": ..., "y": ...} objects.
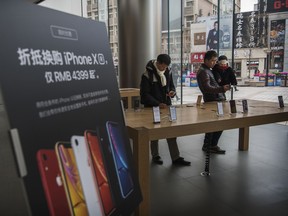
[
  {"x": 173, "y": 115},
  {"x": 86, "y": 171},
  {"x": 156, "y": 114},
  {"x": 220, "y": 111},
  {"x": 199, "y": 99},
  {"x": 71, "y": 179},
  {"x": 281, "y": 102},
  {"x": 103, "y": 183},
  {"x": 119, "y": 152},
  {"x": 52, "y": 182},
  {"x": 245, "y": 106},
  {"x": 232, "y": 106}
]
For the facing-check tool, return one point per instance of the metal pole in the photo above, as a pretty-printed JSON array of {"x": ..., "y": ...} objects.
[
  {"x": 249, "y": 66},
  {"x": 181, "y": 55},
  {"x": 266, "y": 75},
  {"x": 233, "y": 30}
]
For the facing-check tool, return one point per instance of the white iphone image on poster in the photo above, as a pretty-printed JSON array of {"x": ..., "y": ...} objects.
[{"x": 88, "y": 180}]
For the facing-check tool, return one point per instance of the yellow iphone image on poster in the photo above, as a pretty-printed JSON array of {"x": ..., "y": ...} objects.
[{"x": 71, "y": 179}]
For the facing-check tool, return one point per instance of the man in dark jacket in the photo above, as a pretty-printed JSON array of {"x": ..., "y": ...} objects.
[
  {"x": 211, "y": 92},
  {"x": 156, "y": 89}
]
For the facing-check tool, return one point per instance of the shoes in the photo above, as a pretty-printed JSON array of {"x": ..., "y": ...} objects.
[
  {"x": 213, "y": 149},
  {"x": 157, "y": 160},
  {"x": 181, "y": 162}
]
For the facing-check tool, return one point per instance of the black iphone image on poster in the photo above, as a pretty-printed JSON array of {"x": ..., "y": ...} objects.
[{"x": 117, "y": 146}]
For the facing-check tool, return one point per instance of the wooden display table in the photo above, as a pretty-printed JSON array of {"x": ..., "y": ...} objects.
[
  {"x": 192, "y": 120},
  {"x": 129, "y": 93}
]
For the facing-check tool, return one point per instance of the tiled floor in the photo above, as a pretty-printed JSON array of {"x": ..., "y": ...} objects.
[
  {"x": 245, "y": 183},
  {"x": 242, "y": 183}
]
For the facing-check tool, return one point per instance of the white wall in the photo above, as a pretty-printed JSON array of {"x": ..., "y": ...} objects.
[
  {"x": 76, "y": 7},
  {"x": 243, "y": 56}
]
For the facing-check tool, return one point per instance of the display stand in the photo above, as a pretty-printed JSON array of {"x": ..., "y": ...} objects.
[
  {"x": 58, "y": 82},
  {"x": 10, "y": 182}
]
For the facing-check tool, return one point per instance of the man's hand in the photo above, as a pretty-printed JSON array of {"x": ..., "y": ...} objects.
[
  {"x": 171, "y": 94},
  {"x": 162, "y": 106}
]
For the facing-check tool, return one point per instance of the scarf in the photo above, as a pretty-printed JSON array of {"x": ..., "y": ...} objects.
[
  {"x": 223, "y": 67},
  {"x": 161, "y": 74}
]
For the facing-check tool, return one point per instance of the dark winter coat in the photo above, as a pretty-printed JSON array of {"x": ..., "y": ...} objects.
[
  {"x": 152, "y": 92},
  {"x": 224, "y": 76}
]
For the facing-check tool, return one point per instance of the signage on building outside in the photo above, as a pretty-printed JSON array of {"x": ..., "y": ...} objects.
[
  {"x": 274, "y": 6},
  {"x": 197, "y": 57},
  {"x": 176, "y": 58},
  {"x": 252, "y": 63},
  {"x": 249, "y": 30},
  {"x": 200, "y": 38}
]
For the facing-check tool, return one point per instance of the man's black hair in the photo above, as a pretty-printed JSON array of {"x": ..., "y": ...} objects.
[
  {"x": 164, "y": 59},
  {"x": 210, "y": 54},
  {"x": 222, "y": 57}
]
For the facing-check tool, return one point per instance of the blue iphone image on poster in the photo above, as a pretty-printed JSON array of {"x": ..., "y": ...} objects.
[{"x": 117, "y": 144}]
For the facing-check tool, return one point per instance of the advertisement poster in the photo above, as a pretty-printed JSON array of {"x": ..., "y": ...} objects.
[
  {"x": 61, "y": 94},
  {"x": 250, "y": 30},
  {"x": 245, "y": 30},
  {"x": 277, "y": 43},
  {"x": 286, "y": 48},
  {"x": 218, "y": 39},
  {"x": 213, "y": 38}
]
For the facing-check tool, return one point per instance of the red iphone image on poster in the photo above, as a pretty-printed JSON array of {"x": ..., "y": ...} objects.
[
  {"x": 52, "y": 182},
  {"x": 100, "y": 172}
]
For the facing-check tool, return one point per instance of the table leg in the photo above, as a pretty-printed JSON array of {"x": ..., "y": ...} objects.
[
  {"x": 141, "y": 158},
  {"x": 129, "y": 100},
  {"x": 243, "y": 139}
]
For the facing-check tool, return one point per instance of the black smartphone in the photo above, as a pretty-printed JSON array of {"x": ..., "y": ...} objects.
[
  {"x": 281, "y": 102},
  {"x": 136, "y": 104},
  {"x": 245, "y": 106},
  {"x": 232, "y": 106}
]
